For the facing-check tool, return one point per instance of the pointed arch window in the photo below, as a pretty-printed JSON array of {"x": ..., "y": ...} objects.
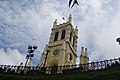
[
  {"x": 56, "y": 36},
  {"x": 70, "y": 57},
  {"x": 70, "y": 36},
  {"x": 73, "y": 41},
  {"x": 63, "y": 34}
]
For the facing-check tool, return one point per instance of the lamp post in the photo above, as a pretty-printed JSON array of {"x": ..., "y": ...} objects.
[
  {"x": 30, "y": 51},
  {"x": 47, "y": 50},
  {"x": 118, "y": 40}
]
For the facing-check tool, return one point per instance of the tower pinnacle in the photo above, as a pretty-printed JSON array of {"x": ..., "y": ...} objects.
[
  {"x": 82, "y": 51},
  {"x": 70, "y": 18},
  {"x": 55, "y": 23},
  {"x": 86, "y": 56},
  {"x": 82, "y": 56},
  {"x": 86, "y": 53}
]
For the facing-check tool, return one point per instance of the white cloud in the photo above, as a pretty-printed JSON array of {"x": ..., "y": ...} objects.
[
  {"x": 29, "y": 22},
  {"x": 99, "y": 29},
  {"x": 11, "y": 57}
]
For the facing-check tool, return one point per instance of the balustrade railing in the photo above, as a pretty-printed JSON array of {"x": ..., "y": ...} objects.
[{"x": 60, "y": 69}]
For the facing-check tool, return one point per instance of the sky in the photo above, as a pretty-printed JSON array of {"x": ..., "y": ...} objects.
[{"x": 29, "y": 22}]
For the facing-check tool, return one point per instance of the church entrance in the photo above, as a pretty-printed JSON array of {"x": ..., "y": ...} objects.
[
  {"x": 53, "y": 66},
  {"x": 54, "y": 69}
]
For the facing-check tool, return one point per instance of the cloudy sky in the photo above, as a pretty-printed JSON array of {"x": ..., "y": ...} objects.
[{"x": 29, "y": 22}]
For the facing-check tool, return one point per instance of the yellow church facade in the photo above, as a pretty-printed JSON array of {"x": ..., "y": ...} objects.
[{"x": 62, "y": 46}]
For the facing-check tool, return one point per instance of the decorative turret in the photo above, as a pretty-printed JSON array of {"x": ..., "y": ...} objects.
[
  {"x": 52, "y": 34},
  {"x": 82, "y": 51},
  {"x": 76, "y": 31},
  {"x": 70, "y": 18},
  {"x": 86, "y": 56},
  {"x": 86, "y": 53},
  {"x": 55, "y": 23},
  {"x": 82, "y": 56}
]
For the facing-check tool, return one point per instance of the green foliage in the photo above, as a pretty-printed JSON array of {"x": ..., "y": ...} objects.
[{"x": 110, "y": 74}]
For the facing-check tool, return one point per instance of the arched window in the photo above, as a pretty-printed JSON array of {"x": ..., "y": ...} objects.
[
  {"x": 63, "y": 34},
  {"x": 56, "y": 36},
  {"x": 70, "y": 36},
  {"x": 70, "y": 57},
  {"x": 73, "y": 41}
]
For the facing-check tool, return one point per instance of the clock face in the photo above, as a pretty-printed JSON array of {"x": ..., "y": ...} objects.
[{"x": 56, "y": 52}]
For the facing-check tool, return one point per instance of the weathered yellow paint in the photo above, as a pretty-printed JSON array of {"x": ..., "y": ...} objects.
[{"x": 64, "y": 46}]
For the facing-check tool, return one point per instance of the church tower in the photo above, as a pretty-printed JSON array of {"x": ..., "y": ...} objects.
[{"x": 62, "y": 45}]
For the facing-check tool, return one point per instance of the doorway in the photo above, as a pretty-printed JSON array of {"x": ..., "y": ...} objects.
[{"x": 54, "y": 69}]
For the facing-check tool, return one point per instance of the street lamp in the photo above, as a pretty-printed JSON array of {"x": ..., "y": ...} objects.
[
  {"x": 118, "y": 40},
  {"x": 31, "y": 49}
]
